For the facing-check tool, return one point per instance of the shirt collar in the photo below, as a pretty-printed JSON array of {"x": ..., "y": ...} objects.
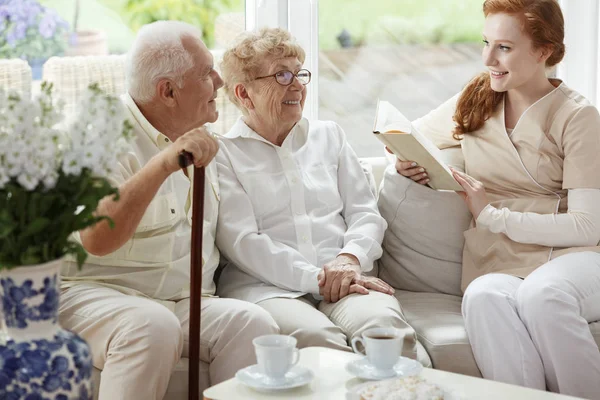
[
  {"x": 241, "y": 129},
  {"x": 157, "y": 137}
]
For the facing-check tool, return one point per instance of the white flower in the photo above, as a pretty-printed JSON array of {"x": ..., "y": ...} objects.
[
  {"x": 72, "y": 163},
  {"x": 50, "y": 180},
  {"x": 36, "y": 146},
  {"x": 27, "y": 181},
  {"x": 4, "y": 179}
]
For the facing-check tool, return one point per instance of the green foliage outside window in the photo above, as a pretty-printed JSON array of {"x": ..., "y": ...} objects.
[{"x": 200, "y": 13}]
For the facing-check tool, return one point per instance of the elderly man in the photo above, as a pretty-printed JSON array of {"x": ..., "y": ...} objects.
[{"x": 131, "y": 300}]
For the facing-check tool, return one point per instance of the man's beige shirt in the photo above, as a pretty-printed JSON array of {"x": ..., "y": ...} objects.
[
  {"x": 553, "y": 148},
  {"x": 155, "y": 262}
]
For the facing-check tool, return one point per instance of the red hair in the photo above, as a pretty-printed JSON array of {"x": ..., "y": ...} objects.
[{"x": 543, "y": 22}]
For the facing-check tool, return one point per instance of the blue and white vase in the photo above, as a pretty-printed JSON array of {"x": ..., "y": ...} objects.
[{"x": 39, "y": 360}]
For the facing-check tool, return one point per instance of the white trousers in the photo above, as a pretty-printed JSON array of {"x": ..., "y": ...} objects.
[
  {"x": 534, "y": 332},
  {"x": 136, "y": 342},
  {"x": 333, "y": 325}
]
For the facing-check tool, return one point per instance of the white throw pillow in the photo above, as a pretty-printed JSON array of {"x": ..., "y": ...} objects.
[{"x": 422, "y": 247}]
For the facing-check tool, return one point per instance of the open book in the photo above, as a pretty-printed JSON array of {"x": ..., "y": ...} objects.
[{"x": 403, "y": 139}]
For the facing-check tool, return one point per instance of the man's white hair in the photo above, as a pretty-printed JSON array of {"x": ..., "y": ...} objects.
[{"x": 158, "y": 53}]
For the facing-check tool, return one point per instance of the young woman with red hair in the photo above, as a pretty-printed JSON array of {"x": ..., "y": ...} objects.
[{"x": 531, "y": 149}]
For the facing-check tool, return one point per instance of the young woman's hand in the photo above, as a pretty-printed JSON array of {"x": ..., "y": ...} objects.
[
  {"x": 474, "y": 194},
  {"x": 411, "y": 170}
]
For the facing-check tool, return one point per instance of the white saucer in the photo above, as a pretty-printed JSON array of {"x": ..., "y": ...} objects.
[
  {"x": 296, "y": 376},
  {"x": 365, "y": 370}
]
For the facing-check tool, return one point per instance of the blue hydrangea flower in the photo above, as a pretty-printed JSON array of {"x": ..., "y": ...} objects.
[{"x": 30, "y": 30}]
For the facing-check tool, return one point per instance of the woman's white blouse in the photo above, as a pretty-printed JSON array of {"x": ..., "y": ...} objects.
[{"x": 286, "y": 211}]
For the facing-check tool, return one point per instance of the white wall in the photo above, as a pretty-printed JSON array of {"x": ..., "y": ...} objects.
[{"x": 580, "y": 69}]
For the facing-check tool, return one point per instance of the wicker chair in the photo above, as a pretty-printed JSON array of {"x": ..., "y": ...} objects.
[
  {"x": 15, "y": 74},
  {"x": 71, "y": 75}
]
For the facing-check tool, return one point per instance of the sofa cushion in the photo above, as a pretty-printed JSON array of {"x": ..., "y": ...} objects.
[
  {"x": 438, "y": 321},
  {"x": 595, "y": 328},
  {"x": 422, "y": 247}
]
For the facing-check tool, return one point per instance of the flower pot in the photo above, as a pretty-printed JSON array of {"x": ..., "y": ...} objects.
[
  {"x": 37, "y": 67},
  {"x": 88, "y": 43},
  {"x": 39, "y": 360}
]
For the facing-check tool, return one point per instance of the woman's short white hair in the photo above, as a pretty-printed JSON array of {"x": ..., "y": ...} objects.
[
  {"x": 158, "y": 53},
  {"x": 241, "y": 62}
]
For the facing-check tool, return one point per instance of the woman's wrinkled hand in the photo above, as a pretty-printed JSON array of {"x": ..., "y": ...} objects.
[
  {"x": 337, "y": 280},
  {"x": 474, "y": 194},
  {"x": 342, "y": 277}
]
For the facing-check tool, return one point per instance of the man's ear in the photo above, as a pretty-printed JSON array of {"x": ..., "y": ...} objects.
[
  {"x": 165, "y": 91},
  {"x": 241, "y": 92}
]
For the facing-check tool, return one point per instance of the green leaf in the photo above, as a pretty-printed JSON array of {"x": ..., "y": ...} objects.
[
  {"x": 36, "y": 226},
  {"x": 30, "y": 256},
  {"x": 5, "y": 231},
  {"x": 78, "y": 251}
]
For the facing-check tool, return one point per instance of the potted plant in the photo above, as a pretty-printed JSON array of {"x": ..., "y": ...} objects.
[
  {"x": 32, "y": 32},
  {"x": 86, "y": 42},
  {"x": 51, "y": 180}
]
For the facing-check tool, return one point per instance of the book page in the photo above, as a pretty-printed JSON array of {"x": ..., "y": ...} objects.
[
  {"x": 402, "y": 138},
  {"x": 388, "y": 118}
]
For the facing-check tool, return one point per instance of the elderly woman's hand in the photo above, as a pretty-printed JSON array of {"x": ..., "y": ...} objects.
[
  {"x": 474, "y": 194},
  {"x": 342, "y": 277}
]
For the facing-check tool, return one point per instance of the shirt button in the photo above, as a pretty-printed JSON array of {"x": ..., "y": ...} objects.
[
  {"x": 294, "y": 180},
  {"x": 167, "y": 140},
  {"x": 305, "y": 238}
]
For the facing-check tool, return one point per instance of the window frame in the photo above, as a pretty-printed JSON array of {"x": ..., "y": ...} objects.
[
  {"x": 301, "y": 19},
  {"x": 580, "y": 67}
]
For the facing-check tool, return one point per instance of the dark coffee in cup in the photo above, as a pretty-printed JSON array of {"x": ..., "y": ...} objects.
[
  {"x": 382, "y": 347},
  {"x": 381, "y": 337}
]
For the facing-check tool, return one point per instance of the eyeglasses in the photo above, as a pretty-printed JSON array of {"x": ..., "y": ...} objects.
[{"x": 285, "y": 78}]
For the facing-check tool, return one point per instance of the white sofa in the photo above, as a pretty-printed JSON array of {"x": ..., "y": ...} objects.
[{"x": 431, "y": 308}]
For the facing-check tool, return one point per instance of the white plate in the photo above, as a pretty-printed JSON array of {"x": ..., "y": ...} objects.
[
  {"x": 365, "y": 370},
  {"x": 354, "y": 393},
  {"x": 296, "y": 376}
]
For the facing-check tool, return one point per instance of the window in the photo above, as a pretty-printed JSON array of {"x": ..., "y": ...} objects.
[
  {"x": 414, "y": 53},
  {"x": 36, "y": 30}
]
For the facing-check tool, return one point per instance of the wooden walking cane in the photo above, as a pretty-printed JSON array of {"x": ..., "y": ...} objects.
[{"x": 186, "y": 159}]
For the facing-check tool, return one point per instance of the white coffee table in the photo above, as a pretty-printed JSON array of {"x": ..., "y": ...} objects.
[{"x": 332, "y": 382}]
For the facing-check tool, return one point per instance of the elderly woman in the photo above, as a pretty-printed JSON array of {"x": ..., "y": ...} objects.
[{"x": 297, "y": 218}]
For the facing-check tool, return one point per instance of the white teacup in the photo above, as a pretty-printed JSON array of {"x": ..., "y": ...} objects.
[
  {"x": 275, "y": 354},
  {"x": 383, "y": 346}
]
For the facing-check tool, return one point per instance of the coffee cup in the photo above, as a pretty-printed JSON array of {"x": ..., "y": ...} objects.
[
  {"x": 382, "y": 346},
  {"x": 275, "y": 355}
]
